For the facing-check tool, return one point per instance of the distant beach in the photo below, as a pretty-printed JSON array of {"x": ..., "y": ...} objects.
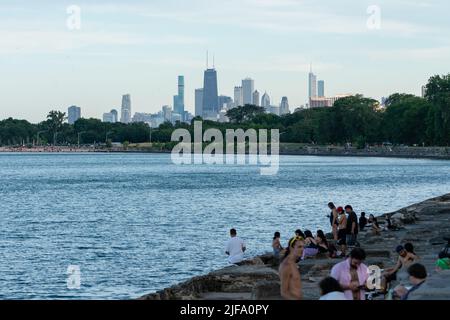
[{"x": 442, "y": 153}]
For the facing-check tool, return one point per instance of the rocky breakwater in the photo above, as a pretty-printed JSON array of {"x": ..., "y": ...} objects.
[{"x": 423, "y": 224}]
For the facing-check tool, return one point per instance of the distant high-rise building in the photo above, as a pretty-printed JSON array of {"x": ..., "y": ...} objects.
[
  {"x": 167, "y": 113},
  {"x": 74, "y": 113},
  {"x": 126, "y": 109},
  {"x": 424, "y": 91},
  {"x": 111, "y": 117},
  {"x": 248, "y": 87},
  {"x": 178, "y": 100},
  {"x": 115, "y": 115},
  {"x": 265, "y": 100},
  {"x": 312, "y": 84},
  {"x": 255, "y": 98},
  {"x": 225, "y": 102},
  {"x": 210, "y": 94},
  {"x": 284, "y": 106},
  {"x": 321, "y": 88},
  {"x": 318, "y": 102},
  {"x": 238, "y": 96},
  {"x": 198, "y": 102}
]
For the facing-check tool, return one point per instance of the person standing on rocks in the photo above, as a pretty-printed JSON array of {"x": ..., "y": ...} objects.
[
  {"x": 352, "y": 226},
  {"x": 235, "y": 248},
  {"x": 342, "y": 231},
  {"x": 291, "y": 284},
  {"x": 334, "y": 220},
  {"x": 362, "y": 221},
  {"x": 352, "y": 275}
]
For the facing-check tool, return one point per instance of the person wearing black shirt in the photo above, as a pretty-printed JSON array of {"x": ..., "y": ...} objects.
[
  {"x": 352, "y": 226},
  {"x": 362, "y": 221}
]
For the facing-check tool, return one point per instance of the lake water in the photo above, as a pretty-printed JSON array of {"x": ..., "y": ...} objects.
[{"x": 135, "y": 223}]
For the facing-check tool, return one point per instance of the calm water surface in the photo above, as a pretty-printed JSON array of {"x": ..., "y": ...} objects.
[{"x": 136, "y": 223}]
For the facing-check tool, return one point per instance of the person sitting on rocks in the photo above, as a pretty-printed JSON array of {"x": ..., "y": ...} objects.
[
  {"x": 352, "y": 275},
  {"x": 417, "y": 277},
  {"x": 443, "y": 263},
  {"x": 409, "y": 247},
  {"x": 405, "y": 259},
  {"x": 321, "y": 242},
  {"x": 362, "y": 221},
  {"x": 390, "y": 225},
  {"x": 276, "y": 245},
  {"x": 291, "y": 284},
  {"x": 235, "y": 248},
  {"x": 324, "y": 246},
  {"x": 311, "y": 249},
  {"x": 373, "y": 223},
  {"x": 330, "y": 289},
  {"x": 299, "y": 233}
]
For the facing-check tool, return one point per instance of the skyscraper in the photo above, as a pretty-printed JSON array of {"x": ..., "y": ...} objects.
[
  {"x": 265, "y": 100},
  {"x": 115, "y": 115},
  {"x": 312, "y": 84},
  {"x": 125, "y": 116},
  {"x": 284, "y": 106},
  {"x": 225, "y": 102},
  {"x": 255, "y": 98},
  {"x": 74, "y": 113},
  {"x": 110, "y": 117},
  {"x": 178, "y": 100},
  {"x": 424, "y": 91},
  {"x": 199, "y": 102},
  {"x": 238, "y": 96},
  {"x": 321, "y": 88},
  {"x": 210, "y": 107},
  {"x": 248, "y": 87}
]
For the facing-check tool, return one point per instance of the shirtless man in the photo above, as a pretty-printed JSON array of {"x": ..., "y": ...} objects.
[
  {"x": 334, "y": 220},
  {"x": 291, "y": 284},
  {"x": 405, "y": 259}
]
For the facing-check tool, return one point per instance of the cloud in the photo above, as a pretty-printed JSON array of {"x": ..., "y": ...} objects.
[{"x": 28, "y": 42}]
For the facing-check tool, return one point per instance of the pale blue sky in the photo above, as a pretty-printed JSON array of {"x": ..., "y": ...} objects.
[{"x": 139, "y": 47}]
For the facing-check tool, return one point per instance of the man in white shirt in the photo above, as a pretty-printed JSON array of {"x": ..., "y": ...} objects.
[{"x": 235, "y": 248}]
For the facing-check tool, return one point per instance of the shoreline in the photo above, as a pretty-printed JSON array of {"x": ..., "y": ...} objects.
[
  {"x": 424, "y": 224},
  {"x": 432, "y": 153}
]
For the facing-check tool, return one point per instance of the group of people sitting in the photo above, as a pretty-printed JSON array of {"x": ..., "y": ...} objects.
[{"x": 348, "y": 279}]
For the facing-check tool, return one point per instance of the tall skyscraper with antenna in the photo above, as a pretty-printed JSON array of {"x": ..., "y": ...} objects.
[{"x": 210, "y": 108}]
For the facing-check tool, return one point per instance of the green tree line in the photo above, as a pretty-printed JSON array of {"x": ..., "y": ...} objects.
[{"x": 406, "y": 119}]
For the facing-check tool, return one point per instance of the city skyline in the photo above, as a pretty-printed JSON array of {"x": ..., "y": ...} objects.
[{"x": 140, "y": 48}]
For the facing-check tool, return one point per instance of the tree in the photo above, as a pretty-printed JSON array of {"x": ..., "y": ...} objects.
[
  {"x": 244, "y": 114},
  {"x": 404, "y": 119},
  {"x": 438, "y": 120},
  {"x": 55, "y": 120}
]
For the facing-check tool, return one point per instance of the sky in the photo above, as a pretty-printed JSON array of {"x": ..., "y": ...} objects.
[{"x": 49, "y": 61}]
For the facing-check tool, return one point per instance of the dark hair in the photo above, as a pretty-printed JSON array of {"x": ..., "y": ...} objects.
[
  {"x": 442, "y": 255},
  {"x": 348, "y": 207},
  {"x": 308, "y": 234},
  {"x": 418, "y": 271},
  {"x": 322, "y": 236},
  {"x": 331, "y": 205},
  {"x": 291, "y": 244},
  {"x": 363, "y": 214},
  {"x": 233, "y": 232},
  {"x": 276, "y": 235},
  {"x": 358, "y": 253},
  {"x": 329, "y": 284},
  {"x": 300, "y": 233},
  {"x": 409, "y": 247}
]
